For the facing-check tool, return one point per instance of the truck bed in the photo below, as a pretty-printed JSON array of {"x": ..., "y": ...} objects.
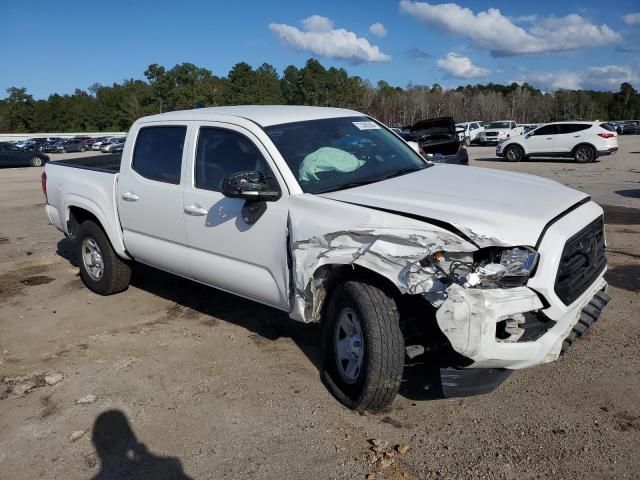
[
  {"x": 86, "y": 183},
  {"x": 109, "y": 163}
]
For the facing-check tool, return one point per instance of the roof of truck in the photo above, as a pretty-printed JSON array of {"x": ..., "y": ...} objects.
[{"x": 263, "y": 115}]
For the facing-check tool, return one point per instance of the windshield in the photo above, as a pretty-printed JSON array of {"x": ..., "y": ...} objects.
[
  {"x": 498, "y": 125},
  {"x": 337, "y": 153}
]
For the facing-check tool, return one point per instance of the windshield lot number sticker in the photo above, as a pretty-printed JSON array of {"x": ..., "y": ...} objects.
[{"x": 366, "y": 125}]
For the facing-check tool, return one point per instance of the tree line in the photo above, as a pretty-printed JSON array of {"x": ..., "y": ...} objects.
[{"x": 116, "y": 107}]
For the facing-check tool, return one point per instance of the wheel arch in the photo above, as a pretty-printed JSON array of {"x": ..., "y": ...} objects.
[
  {"x": 326, "y": 277},
  {"x": 79, "y": 211},
  {"x": 585, "y": 144}
]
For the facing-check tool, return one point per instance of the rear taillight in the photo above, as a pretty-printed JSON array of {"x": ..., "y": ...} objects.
[
  {"x": 607, "y": 135},
  {"x": 43, "y": 181}
]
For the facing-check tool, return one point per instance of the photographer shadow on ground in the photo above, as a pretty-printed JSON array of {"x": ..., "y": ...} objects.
[{"x": 122, "y": 456}]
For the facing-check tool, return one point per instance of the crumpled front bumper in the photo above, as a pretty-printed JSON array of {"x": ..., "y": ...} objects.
[
  {"x": 469, "y": 316},
  {"x": 469, "y": 319}
]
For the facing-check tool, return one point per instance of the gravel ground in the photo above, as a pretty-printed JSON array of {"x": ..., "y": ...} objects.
[{"x": 171, "y": 379}]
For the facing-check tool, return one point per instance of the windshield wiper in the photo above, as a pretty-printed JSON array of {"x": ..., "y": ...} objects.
[
  {"x": 403, "y": 171},
  {"x": 357, "y": 183}
]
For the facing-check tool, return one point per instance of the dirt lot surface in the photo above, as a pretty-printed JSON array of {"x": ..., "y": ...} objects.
[{"x": 174, "y": 380}]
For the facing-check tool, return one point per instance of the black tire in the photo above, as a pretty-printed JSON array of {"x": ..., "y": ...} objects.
[
  {"x": 116, "y": 272},
  {"x": 36, "y": 161},
  {"x": 380, "y": 374},
  {"x": 513, "y": 153},
  {"x": 584, "y": 154}
]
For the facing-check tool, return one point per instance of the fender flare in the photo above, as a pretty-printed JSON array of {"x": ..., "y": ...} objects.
[{"x": 114, "y": 234}]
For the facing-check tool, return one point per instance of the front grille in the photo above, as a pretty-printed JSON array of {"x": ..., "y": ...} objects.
[
  {"x": 583, "y": 259},
  {"x": 491, "y": 134}
]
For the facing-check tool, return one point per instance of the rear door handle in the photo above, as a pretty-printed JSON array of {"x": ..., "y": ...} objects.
[
  {"x": 195, "y": 209},
  {"x": 130, "y": 197}
]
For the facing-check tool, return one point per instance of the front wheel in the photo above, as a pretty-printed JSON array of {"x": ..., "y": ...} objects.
[
  {"x": 101, "y": 269},
  {"x": 363, "y": 351},
  {"x": 36, "y": 162},
  {"x": 584, "y": 154},
  {"x": 514, "y": 153}
]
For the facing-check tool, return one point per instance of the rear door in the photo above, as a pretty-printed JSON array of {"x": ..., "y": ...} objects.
[
  {"x": 150, "y": 196},
  {"x": 569, "y": 135},
  {"x": 541, "y": 140},
  {"x": 236, "y": 245}
]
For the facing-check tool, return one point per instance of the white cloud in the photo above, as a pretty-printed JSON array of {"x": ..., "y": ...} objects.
[
  {"x": 491, "y": 30},
  {"x": 607, "y": 77},
  {"x": 320, "y": 38},
  {"x": 461, "y": 67},
  {"x": 632, "y": 19},
  {"x": 377, "y": 29},
  {"x": 525, "y": 19}
]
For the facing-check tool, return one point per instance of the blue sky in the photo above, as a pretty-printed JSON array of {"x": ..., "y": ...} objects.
[{"x": 57, "y": 46}]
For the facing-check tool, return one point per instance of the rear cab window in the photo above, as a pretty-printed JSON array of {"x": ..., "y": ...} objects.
[{"x": 157, "y": 154}]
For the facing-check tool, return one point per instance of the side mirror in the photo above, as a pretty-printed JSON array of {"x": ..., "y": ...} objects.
[
  {"x": 415, "y": 146},
  {"x": 252, "y": 186}
]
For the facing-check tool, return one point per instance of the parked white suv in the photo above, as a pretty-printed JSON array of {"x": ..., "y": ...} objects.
[{"x": 584, "y": 141}]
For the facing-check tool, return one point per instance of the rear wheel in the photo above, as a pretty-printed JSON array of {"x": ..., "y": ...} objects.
[
  {"x": 584, "y": 154},
  {"x": 36, "y": 162},
  {"x": 101, "y": 269},
  {"x": 363, "y": 356},
  {"x": 514, "y": 153}
]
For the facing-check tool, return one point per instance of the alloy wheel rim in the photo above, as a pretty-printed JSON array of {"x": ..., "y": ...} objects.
[
  {"x": 584, "y": 154},
  {"x": 36, "y": 161},
  {"x": 349, "y": 345},
  {"x": 92, "y": 258}
]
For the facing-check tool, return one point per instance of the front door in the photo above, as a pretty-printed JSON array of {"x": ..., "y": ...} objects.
[
  {"x": 235, "y": 245},
  {"x": 541, "y": 140},
  {"x": 150, "y": 197}
]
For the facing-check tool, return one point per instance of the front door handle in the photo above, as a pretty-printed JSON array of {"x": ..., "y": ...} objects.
[
  {"x": 130, "y": 197},
  {"x": 195, "y": 209}
]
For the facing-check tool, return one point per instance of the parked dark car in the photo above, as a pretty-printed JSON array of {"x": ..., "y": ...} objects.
[
  {"x": 75, "y": 145},
  {"x": 12, "y": 156},
  {"x": 439, "y": 142},
  {"x": 628, "y": 128},
  {"x": 54, "y": 146}
]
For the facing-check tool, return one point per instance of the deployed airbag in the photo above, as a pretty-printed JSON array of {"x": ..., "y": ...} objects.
[{"x": 327, "y": 159}]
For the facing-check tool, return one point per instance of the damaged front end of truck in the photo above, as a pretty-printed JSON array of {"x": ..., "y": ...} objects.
[{"x": 464, "y": 297}]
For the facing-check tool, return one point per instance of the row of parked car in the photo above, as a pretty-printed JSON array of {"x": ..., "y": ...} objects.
[
  {"x": 76, "y": 144},
  {"x": 443, "y": 141},
  {"x": 626, "y": 127}
]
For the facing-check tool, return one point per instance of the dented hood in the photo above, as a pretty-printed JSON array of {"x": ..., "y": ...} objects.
[{"x": 489, "y": 206}]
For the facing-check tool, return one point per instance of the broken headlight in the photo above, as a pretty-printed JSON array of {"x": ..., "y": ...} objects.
[
  {"x": 504, "y": 267},
  {"x": 488, "y": 268}
]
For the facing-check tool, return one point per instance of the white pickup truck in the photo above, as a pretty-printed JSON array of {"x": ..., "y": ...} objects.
[
  {"x": 495, "y": 132},
  {"x": 330, "y": 216}
]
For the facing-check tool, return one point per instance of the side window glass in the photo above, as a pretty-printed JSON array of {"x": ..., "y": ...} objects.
[
  {"x": 158, "y": 153},
  {"x": 223, "y": 152},
  {"x": 546, "y": 130}
]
